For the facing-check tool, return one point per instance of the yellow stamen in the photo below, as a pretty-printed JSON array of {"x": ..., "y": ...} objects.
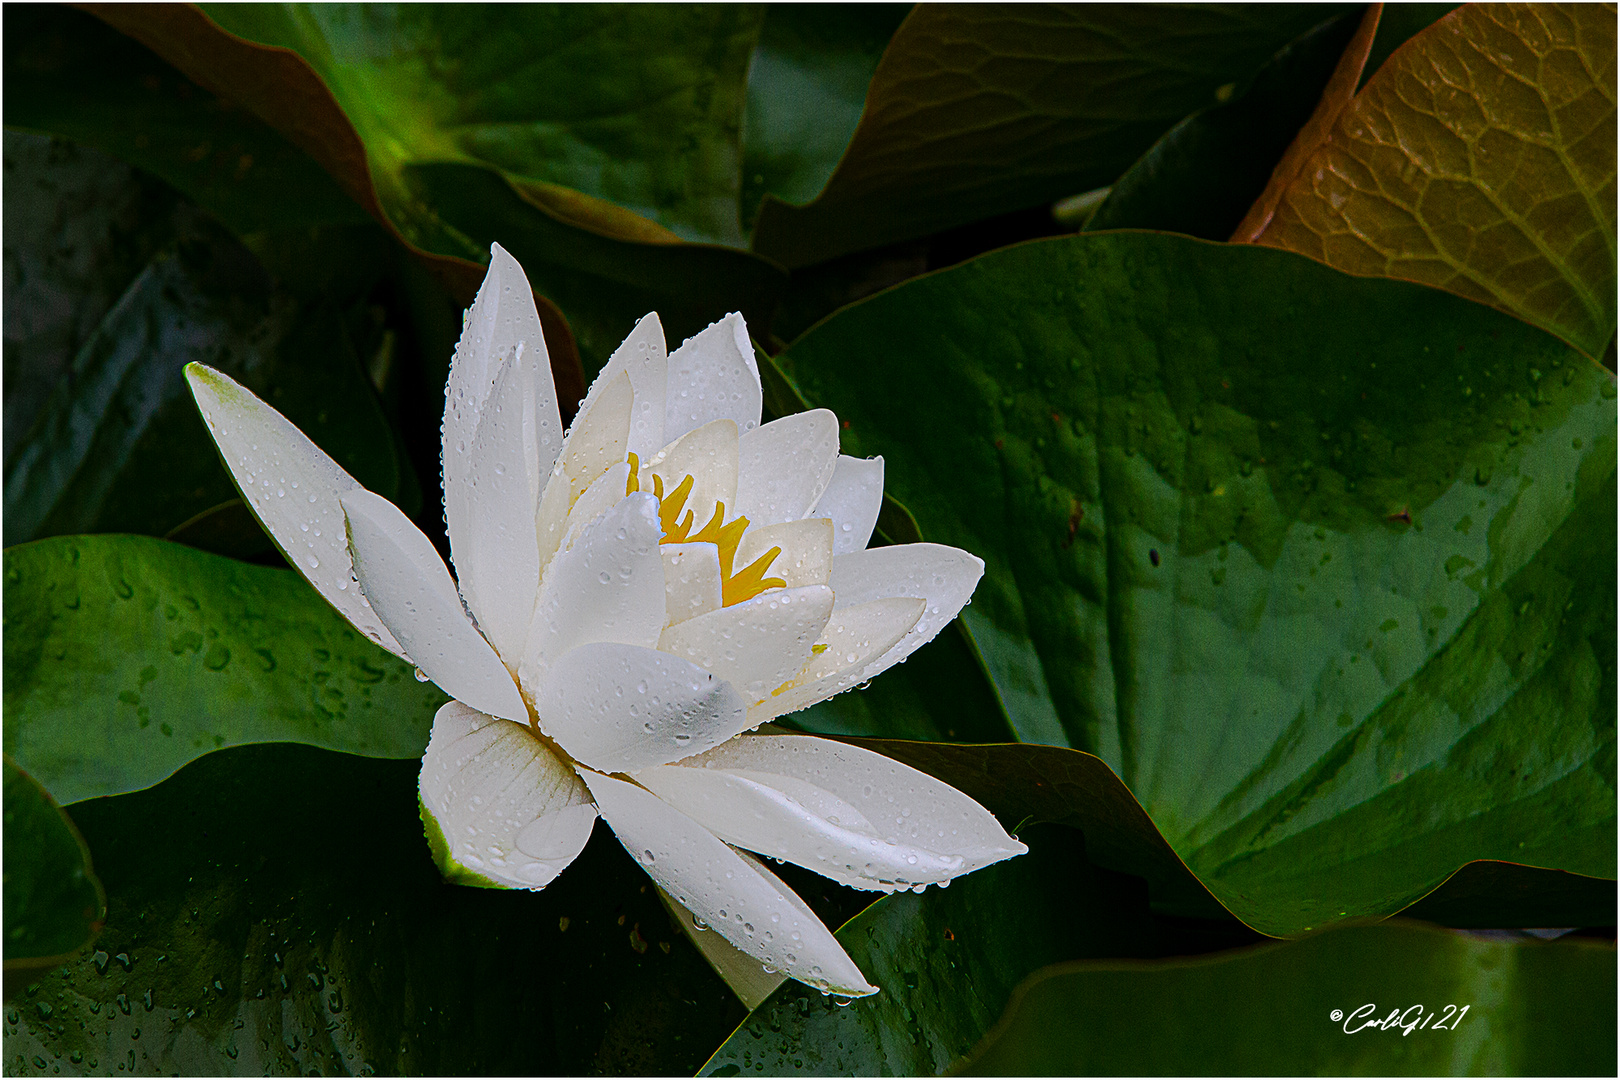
[
  {"x": 633, "y": 484},
  {"x": 751, "y": 580},
  {"x": 669, "y": 510}
]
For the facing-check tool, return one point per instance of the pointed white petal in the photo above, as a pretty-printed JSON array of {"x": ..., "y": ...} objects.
[
  {"x": 853, "y": 498},
  {"x": 618, "y": 707},
  {"x": 709, "y": 456},
  {"x": 757, "y": 645},
  {"x": 691, "y": 581},
  {"x": 603, "y": 495},
  {"x": 508, "y": 811},
  {"x": 502, "y": 325},
  {"x": 944, "y": 577},
  {"x": 747, "y": 977},
  {"x": 642, "y": 357},
  {"x": 745, "y": 903},
  {"x": 713, "y": 375},
  {"x": 411, "y": 590},
  {"x": 784, "y": 467},
  {"x": 849, "y": 814},
  {"x": 596, "y": 442},
  {"x": 292, "y": 487},
  {"x": 806, "y": 555},
  {"x": 489, "y": 509},
  {"x": 855, "y": 637},
  {"x": 609, "y": 586}
]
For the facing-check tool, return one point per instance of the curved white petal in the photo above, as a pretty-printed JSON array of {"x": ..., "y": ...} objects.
[
  {"x": 641, "y": 356},
  {"x": 756, "y": 645},
  {"x": 489, "y": 506},
  {"x": 598, "y": 440},
  {"x": 603, "y": 495},
  {"x": 745, "y": 903},
  {"x": 292, "y": 487},
  {"x": 609, "y": 586},
  {"x": 750, "y": 980},
  {"x": 618, "y": 707},
  {"x": 507, "y": 809},
  {"x": 501, "y": 326},
  {"x": 713, "y": 375},
  {"x": 944, "y": 577},
  {"x": 410, "y": 588},
  {"x": 806, "y": 555},
  {"x": 784, "y": 467},
  {"x": 853, "y": 498},
  {"x": 847, "y": 813},
  {"x": 708, "y": 455},
  {"x": 855, "y": 637},
  {"x": 691, "y": 581}
]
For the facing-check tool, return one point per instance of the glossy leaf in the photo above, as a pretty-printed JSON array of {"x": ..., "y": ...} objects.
[
  {"x": 1317, "y": 625},
  {"x": 947, "y": 961},
  {"x": 807, "y": 85},
  {"x": 53, "y": 902},
  {"x": 127, "y": 657},
  {"x": 1480, "y": 158},
  {"x": 1533, "y": 1008},
  {"x": 1205, "y": 173},
  {"x": 119, "y": 446},
  {"x": 977, "y": 110},
  {"x": 275, "y": 910}
]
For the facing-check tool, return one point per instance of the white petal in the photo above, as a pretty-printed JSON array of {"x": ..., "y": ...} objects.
[
  {"x": 618, "y": 707},
  {"x": 745, "y": 903},
  {"x": 709, "y": 456},
  {"x": 608, "y": 587},
  {"x": 944, "y": 577},
  {"x": 806, "y": 555},
  {"x": 691, "y": 581},
  {"x": 642, "y": 357},
  {"x": 747, "y": 977},
  {"x": 507, "y": 809},
  {"x": 293, "y": 489},
  {"x": 596, "y": 442},
  {"x": 784, "y": 467},
  {"x": 852, "y": 815},
  {"x": 603, "y": 495},
  {"x": 853, "y": 498},
  {"x": 411, "y": 590},
  {"x": 489, "y": 508},
  {"x": 713, "y": 375},
  {"x": 502, "y": 325},
  {"x": 855, "y": 637},
  {"x": 757, "y": 645}
]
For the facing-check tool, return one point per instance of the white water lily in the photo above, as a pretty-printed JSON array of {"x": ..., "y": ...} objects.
[{"x": 631, "y": 599}]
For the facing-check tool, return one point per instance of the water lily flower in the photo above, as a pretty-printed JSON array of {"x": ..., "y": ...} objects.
[{"x": 630, "y": 600}]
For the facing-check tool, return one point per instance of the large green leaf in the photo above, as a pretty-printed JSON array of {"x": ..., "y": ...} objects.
[
  {"x": 947, "y": 961},
  {"x": 275, "y": 910},
  {"x": 127, "y": 657},
  {"x": 1308, "y": 1008},
  {"x": 119, "y": 446},
  {"x": 1322, "y": 567},
  {"x": 807, "y": 86},
  {"x": 1205, "y": 173},
  {"x": 53, "y": 902},
  {"x": 976, "y": 110},
  {"x": 69, "y": 74}
]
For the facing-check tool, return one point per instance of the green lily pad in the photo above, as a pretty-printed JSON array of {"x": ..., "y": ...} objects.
[
  {"x": 127, "y": 657},
  {"x": 977, "y": 110},
  {"x": 1358, "y": 1001},
  {"x": 53, "y": 902},
  {"x": 275, "y": 910},
  {"x": 119, "y": 445},
  {"x": 1320, "y": 566}
]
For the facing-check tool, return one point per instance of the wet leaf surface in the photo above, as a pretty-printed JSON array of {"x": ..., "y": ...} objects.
[
  {"x": 53, "y": 902},
  {"x": 1327, "y": 630},
  {"x": 127, "y": 657}
]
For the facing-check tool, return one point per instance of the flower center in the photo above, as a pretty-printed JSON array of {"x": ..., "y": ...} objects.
[{"x": 744, "y": 584}]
